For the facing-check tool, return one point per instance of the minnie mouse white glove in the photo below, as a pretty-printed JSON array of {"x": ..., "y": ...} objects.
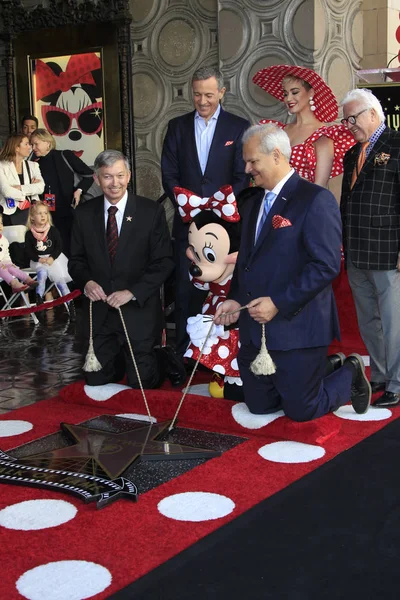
[{"x": 198, "y": 328}]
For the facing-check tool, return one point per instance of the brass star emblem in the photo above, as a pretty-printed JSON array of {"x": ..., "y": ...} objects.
[{"x": 113, "y": 453}]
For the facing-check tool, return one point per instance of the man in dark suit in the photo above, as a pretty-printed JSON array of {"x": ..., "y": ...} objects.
[
  {"x": 370, "y": 207},
  {"x": 289, "y": 255},
  {"x": 120, "y": 256},
  {"x": 201, "y": 152}
]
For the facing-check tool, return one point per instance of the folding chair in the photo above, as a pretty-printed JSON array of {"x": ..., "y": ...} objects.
[{"x": 16, "y": 233}]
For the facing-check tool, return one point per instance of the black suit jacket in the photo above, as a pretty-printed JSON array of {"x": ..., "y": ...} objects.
[
  {"x": 371, "y": 210},
  {"x": 142, "y": 263},
  {"x": 180, "y": 163}
]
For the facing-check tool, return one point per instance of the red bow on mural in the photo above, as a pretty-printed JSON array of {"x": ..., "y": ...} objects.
[
  {"x": 79, "y": 70},
  {"x": 222, "y": 203}
]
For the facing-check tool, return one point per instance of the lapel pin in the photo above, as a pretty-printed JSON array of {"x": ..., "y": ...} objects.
[{"x": 129, "y": 219}]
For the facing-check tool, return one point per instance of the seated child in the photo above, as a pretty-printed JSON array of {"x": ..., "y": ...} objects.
[
  {"x": 9, "y": 272},
  {"x": 43, "y": 247}
]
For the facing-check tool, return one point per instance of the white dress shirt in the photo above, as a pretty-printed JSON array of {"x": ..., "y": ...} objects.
[
  {"x": 204, "y": 133},
  {"x": 119, "y": 215}
]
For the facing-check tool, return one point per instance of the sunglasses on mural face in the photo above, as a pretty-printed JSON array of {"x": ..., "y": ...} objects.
[{"x": 59, "y": 121}]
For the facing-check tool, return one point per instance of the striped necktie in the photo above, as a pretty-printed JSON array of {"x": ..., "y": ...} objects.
[
  {"x": 112, "y": 232},
  {"x": 268, "y": 201}
]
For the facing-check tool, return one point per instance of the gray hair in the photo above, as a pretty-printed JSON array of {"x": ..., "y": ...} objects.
[
  {"x": 271, "y": 136},
  {"x": 108, "y": 158},
  {"x": 206, "y": 72},
  {"x": 367, "y": 99}
]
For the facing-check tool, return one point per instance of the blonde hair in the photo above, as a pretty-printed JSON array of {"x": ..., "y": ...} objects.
[
  {"x": 9, "y": 150},
  {"x": 32, "y": 209},
  {"x": 44, "y": 136}
]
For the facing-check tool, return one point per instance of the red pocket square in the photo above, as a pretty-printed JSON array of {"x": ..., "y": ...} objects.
[
  {"x": 278, "y": 222},
  {"x": 229, "y": 143}
]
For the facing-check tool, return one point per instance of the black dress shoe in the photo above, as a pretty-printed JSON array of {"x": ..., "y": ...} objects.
[
  {"x": 377, "y": 386},
  {"x": 173, "y": 366},
  {"x": 387, "y": 399},
  {"x": 360, "y": 387},
  {"x": 333, "y": 363}
]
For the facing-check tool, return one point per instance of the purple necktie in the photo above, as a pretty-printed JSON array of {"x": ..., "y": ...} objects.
[{"x": 112, "y": 232}]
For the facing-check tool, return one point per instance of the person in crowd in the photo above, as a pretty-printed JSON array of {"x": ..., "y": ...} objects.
[
  {"x": 18, "y": 280},
  {"x": 120, "y": 256},
  {"x": 66, "y": 177},
  {"x": 289, "y": 254},
  {"x": 43, "y": 248},
  {"x": 317, "y": 148},
  {"x": 370, "y": 207},
  {"x": 201, "y": 152},
  {"x": 28, "y": 125},
  {"x": 21, "y": 181}
]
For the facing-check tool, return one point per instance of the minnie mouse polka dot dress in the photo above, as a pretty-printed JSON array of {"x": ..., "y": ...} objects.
[{"x": 222, "y": 356}]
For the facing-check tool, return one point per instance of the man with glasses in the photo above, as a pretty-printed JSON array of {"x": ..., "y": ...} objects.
[{"x": 370, "y": 208}]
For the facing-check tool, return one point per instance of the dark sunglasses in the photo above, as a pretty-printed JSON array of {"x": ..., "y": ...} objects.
[{"x": 59, "y": 121}]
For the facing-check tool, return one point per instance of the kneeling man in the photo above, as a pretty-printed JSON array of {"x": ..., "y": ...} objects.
[
  {"x": 120, "y": 256},
  {"x": 289, "y": 254}
]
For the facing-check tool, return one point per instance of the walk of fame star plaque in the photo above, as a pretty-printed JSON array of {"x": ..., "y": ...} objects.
[{"x": 93, "y": 467}]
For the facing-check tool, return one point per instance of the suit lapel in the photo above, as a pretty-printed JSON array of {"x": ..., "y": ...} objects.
[
  {"x": 218, "y": 138},
  {"x": 278, "y": 208},
  {"x": 380, "y": 145},
  {"x": 191, "y": 143},
  {"x": 129, "y": 223},
  {"x": 100, "y": 229}
]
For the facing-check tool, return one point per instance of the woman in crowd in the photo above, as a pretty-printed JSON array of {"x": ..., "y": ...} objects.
[
  {"x": 317, "y": 148},
  {"x": 20, "y": 180},
  {"x": 66, "y": 178}
]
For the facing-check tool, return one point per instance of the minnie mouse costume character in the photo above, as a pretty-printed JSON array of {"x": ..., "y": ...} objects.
[{"x": 214, "y": 237}]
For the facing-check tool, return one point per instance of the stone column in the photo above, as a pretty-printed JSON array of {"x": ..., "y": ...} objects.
[{"x": 381, "y": 20}]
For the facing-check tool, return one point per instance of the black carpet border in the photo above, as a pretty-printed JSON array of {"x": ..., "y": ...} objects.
[{"x": 153, "y": 585}]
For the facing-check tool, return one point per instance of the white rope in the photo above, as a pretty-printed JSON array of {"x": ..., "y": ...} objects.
[
  {"x": 91, "y": 363},
  {"x": 135, "y": 365}
]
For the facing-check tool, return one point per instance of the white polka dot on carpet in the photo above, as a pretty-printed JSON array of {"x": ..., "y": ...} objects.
[
  {"x": 199, "y": 389},
  {"x": 291, "y": 452},
  {"x": 196, "y": 506},
  {"x": 64, "y": 580},
  {"x": 104, "y": 392},
  {"x": 373, "y": 414},
  {"x": 10, "y": 428},
  {"x": 246, "y": 419},
  {"x": 33, "y": 515}
]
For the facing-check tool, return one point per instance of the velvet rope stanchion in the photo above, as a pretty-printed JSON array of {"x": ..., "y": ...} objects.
[{"x": 17, "y": 312}]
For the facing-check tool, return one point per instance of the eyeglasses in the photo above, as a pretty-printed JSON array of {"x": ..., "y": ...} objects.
[
  {"x": 59, "y": 121},
  {"x": 352, "y": 119}
]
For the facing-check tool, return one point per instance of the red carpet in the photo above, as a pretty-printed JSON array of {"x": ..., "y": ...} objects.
[{"x": 113, "y": 547}]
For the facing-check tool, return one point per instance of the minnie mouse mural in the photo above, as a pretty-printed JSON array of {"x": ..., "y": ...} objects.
[
  {"x": 68, "y": 91},
  {"x": 214, "y": 237}
]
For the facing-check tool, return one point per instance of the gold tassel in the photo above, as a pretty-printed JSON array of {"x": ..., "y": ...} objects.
[
  {"x": 263, "y": 363},
  {"x": 91, "y": 363}
]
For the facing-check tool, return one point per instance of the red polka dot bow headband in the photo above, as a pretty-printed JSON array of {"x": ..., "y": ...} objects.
[{"x": 222, "y": 203}]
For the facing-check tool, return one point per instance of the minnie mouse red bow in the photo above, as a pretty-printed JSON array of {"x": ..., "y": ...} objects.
[
  {"x": 222, "y": 203},
  {"x": 79, "y": 70}
]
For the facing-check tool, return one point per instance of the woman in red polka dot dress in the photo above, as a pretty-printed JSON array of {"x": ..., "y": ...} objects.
[
  {"x": 317, "y": 154},
  {"x": 317, "y": 148}
]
